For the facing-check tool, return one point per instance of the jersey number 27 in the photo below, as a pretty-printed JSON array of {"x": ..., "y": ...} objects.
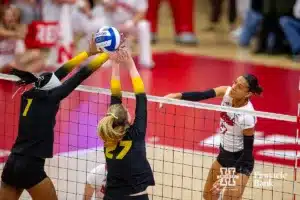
[{"x": 119, "y": 156}]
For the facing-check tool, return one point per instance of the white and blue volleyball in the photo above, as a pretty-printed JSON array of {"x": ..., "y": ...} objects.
[{"x": 107, "y": 39}]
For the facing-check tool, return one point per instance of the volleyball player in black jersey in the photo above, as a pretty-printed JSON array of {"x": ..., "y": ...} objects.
[
  {"x": 128, "y": 170},
  {"x": 236, "y": 135},
  {"x": 24, "y": 168}
]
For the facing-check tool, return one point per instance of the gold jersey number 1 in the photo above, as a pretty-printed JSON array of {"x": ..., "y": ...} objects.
[{"x": 29, "y": 102}]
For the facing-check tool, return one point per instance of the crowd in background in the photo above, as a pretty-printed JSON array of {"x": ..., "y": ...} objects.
[
  {"x": 49, "y": 22},
  {"x": 275, "y": 24}
]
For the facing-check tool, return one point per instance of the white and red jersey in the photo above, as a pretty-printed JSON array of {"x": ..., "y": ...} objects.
[
  {"x": 233, "y": 124},
  {"x": 62, "y": 50},
  {"x": 9, "y": 48},
  {"x": 97, "y": 179},
  {"x": 81, "y": 23},
  {"x": 126, "y": 10}
]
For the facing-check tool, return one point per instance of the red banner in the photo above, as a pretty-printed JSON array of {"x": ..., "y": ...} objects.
[{"x": 42, "y": 34}]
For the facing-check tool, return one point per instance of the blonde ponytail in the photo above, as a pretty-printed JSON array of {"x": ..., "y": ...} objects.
[{"x": 112, "y": 128}]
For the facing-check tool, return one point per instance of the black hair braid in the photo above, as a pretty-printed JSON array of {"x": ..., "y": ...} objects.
[{"x": 25, "y": 77}]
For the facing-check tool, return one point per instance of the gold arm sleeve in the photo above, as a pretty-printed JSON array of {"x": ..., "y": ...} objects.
[
  {"x": 115, "y": 87},
  {"x": 98, "y": 61},
  {"x": 138, "y": 85},
  {"x": 75, "y": 61}
]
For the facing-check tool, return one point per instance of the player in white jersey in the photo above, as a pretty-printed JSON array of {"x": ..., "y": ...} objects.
[
  {"x": 237, "y": 137},
  {"x": 96, "y": 181},
  {"x": 128, "y": 16}
]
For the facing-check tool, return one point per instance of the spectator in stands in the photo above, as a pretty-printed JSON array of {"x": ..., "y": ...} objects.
[
  {"x": 12, "y": 47},
  {"x": 85, "y": 20},
  {"x": 251, "y": 23},
  {"x": 291, "y": 27},
  {"x": 81, "y": 17},
  {"x": 242, "y": 9},
  {"x": 92, "y": 3},
  {"x": 59, "y": 12},
  {"x": 51, "y": 9},
  {"x": 272, "y": 10},
  {"x": 11, "y": 39},
  {"x": 29, "y": 11},
  {"x": 129, "y": 17},
  {"x": 216, "y": 11}
]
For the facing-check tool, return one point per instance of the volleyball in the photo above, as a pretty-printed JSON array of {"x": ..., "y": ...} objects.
[{"x": 107, "y": 39}]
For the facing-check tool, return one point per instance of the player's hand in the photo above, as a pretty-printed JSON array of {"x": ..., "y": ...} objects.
[
  {"x": 93, "y": 50},
  {"x": 166, "y": 96},
  {"x": 172, "y": 95},
  {"x": 216, "y": 188},
  {"x": 121, "y": 55},
  {"x": 123, "y": 42}
]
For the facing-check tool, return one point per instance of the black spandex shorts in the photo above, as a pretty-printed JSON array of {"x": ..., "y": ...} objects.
[
  {"x": 23, "y": 172},
  {"x": 140, "y": 197},
  {"x": 228, "y": 159}
]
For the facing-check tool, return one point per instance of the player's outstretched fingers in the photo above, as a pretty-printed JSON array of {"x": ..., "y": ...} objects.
[
  {"x": 93, "y": 50},
  {"x": 161, "y": 105}
]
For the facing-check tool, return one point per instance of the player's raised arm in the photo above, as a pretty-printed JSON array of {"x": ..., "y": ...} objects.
[
  {"x": 199, "y": 96},
  {"x": 115, "y": 84},
  {"x": 202, "y": 95},
  {"x": 69, "y": 85},
  {"x": 140, "y": 121},
  {"x": 67, "y": 67}
]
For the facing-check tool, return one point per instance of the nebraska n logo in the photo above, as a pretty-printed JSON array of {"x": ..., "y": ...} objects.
[{"x": 227, "y": 177}]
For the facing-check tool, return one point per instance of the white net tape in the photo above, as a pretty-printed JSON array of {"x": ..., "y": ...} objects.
[{"x": 199, "y": 105}]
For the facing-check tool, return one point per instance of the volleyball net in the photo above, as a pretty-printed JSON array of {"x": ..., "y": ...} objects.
[{"x": 182, "y": 143}]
